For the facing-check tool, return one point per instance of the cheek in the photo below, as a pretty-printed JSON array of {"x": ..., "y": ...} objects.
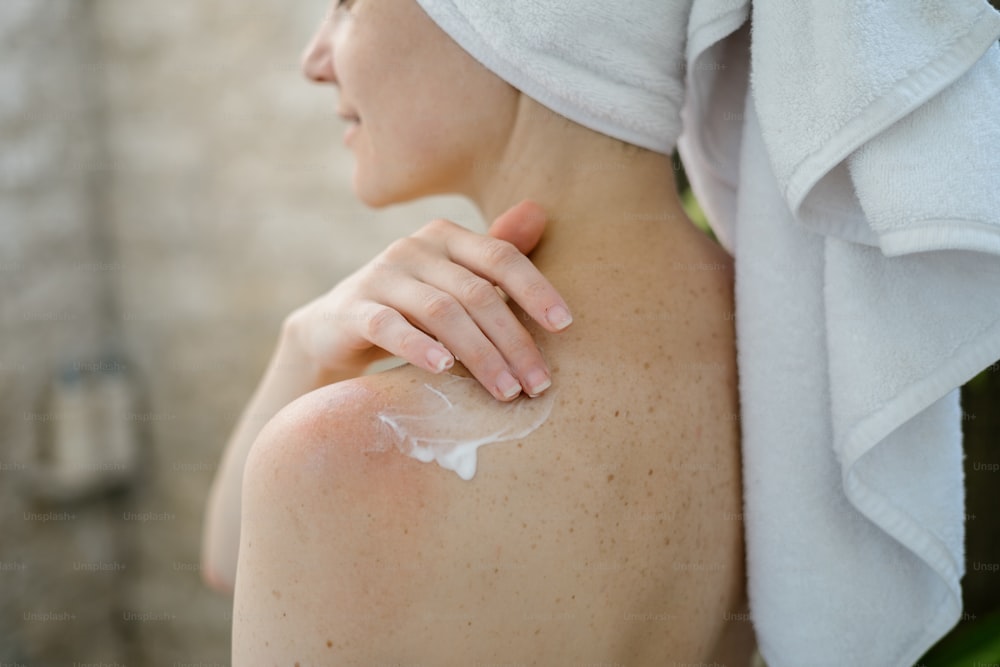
[
  {"x": 429, "y": 113},
  {"x": 407, "y": 151},
  {"x": 429, "y": 144},
  {"x": 443, "y": 128}
]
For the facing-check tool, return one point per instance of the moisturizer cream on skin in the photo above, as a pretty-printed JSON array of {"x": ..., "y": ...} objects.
[{"x": 454, "y": 416}]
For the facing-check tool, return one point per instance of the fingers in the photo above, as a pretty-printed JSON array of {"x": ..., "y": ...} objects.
[
  {"x": 503, "y": 263},
  {"x": 479, "y": 327},
  {"x": 396, "y": 321},
  {"x": 500, "y": 262},
  {"x": 439, "y": 295},
  {"x": 462, "y": 335},
  {"x": 521, "y": 225},
  {"x": 389, "y": 330},
  {"x": 465, "y": 312}
]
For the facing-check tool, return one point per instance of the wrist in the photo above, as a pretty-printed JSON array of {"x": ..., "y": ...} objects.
[{"x": 292, "y": 357}]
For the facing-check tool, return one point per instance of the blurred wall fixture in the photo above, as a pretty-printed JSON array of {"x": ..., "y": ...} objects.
[{"x": 86, "y": 442}]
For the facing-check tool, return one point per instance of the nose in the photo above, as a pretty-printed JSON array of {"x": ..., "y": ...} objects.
[{"x": 317, "y": 59}]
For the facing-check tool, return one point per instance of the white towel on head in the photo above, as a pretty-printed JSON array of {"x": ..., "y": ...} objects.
[
  {"x": 848, "y": 155},
  {"x": 616, "y": 70}
]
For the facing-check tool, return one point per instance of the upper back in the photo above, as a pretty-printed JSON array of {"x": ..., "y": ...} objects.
[
  {"x": 602, "y": 524},
  {"x": 603, "y": 517}
]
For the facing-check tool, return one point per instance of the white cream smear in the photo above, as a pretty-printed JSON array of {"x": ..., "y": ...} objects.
[{"x": 455, "y": 416}]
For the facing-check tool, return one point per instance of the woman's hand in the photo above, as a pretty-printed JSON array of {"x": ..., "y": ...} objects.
[
  {"x": 431, "y": 298},
  {"x": 437, "y": 283}
]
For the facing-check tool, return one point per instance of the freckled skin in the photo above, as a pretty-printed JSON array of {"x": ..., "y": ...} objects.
[
  {"x": 604, "y": 536},
  {"x": 457, "y": 417},
  {"x": 601, "y": 537}
]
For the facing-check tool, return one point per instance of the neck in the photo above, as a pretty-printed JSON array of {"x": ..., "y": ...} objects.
[{"x": 602, "y": 198}]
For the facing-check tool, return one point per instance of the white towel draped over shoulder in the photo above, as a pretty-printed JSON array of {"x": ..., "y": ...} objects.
[{"x": 848, "y": 155}]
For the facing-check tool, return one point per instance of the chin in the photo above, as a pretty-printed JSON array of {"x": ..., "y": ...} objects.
[
  {"x": 373, "y": 202},
  {"x": 379, "y": 195},
  {"x": 370, "y": 194}
]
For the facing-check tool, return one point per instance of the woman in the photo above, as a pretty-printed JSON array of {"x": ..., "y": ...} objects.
[{"x": 604, "y": 531}]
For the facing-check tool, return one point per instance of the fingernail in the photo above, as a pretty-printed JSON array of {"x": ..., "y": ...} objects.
[
  {"x": 439, "y": 360},
  {"x": 558, "y": 317},
  {"x": 538, "y": 381},
  {"x": 507, "y": 385}
]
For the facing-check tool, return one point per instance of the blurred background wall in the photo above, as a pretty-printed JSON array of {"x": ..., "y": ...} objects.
[{"x": 172, "y": 187}]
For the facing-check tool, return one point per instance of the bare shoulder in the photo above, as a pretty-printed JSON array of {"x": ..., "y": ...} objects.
[
  {"x": 583, "y": 534},
  {"x": 336, "y": 419},
  {"x": 331, "y": 445},
  {"x": 321, "y": 494},
  {"x": 389, "y": 423}
]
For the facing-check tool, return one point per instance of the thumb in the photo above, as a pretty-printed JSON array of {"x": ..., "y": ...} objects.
[{"x": 521, "y": 225}]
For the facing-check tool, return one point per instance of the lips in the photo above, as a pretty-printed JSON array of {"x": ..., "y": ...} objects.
[
  {"x": 348, "y": 116},
  {"x": 353, "y": 126},
  {"x": 353, "y": 121}
]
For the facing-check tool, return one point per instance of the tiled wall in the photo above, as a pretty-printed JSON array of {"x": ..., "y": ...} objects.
[{"x": 170, "y": 188}]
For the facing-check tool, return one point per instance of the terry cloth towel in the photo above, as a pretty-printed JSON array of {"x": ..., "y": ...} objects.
[
  {"x": 615, "y": 68},
  {"x": 848, "y": 155}
]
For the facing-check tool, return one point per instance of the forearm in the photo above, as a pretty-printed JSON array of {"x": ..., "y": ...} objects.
[{"x": 289, "y": 375}]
